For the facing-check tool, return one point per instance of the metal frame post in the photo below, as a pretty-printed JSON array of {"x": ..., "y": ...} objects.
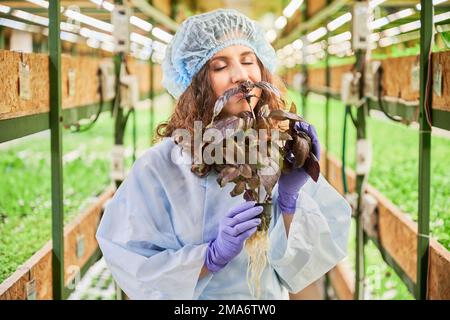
[
  {"x": 152, "y": 91},
  {"x": 173, "y": 9},
  {"x": 134, "y": 134},
  {"x": 304, "y": 67},
  {"x": 360, "y": 235},
  {"x": 152, "y": 98},
  {"x": 119, "y": 115},
  {"x": 2, "y": 37},
  {"x": 119, "y": 128},
  {"x": 426, "y": 39},
  {"x": 327, "y": 103},
  {"x": 327, "y": 132},
  {"x": 361, "y": 133},
  {"x": 56, "y": 150}
]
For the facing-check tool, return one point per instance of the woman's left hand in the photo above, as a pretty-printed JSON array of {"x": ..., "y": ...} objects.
[{"x": 290, "y": 184}]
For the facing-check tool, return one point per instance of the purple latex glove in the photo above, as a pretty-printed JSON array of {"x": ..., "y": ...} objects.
[
  {"x": 238, "y": 225},
  {"x": 290, "y": 184}
]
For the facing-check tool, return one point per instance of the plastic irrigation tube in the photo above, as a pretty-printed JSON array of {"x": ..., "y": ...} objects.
[{"x": 344, "y": 147}]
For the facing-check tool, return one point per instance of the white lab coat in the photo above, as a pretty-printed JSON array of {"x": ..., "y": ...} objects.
[{"x": 155, "y": 231}]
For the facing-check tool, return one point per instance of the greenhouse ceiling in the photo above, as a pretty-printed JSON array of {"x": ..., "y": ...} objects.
[{"x": 284, "y": 21}]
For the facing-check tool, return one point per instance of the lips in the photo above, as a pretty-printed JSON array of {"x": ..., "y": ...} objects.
[{"x": 238, "y": 96}]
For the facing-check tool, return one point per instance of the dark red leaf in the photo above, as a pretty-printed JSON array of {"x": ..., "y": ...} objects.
[
  {"x": 312, "y": 167},
  {"x": 238, "y": 189},
  {"x": 226, "y": 175},
  {"x": 300, "y": 149},
  {"x": 250, "y": 195},
  {"x": 246, "y": 171},
  {"x": 284, "y": 115}
]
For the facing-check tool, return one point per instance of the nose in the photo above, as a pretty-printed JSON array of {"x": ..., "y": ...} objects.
[{"x": 238, "y": 73}]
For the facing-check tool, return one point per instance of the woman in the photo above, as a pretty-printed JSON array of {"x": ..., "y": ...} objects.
[{"x": 170, "y": 234}]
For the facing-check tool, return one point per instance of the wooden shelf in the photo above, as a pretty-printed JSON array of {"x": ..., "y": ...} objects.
[
  {"x": 397, "y": 238},
  {"x": 39, "y": 266}
]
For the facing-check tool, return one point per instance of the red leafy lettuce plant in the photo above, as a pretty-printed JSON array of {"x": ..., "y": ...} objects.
[{"x": 256, "y": 174}]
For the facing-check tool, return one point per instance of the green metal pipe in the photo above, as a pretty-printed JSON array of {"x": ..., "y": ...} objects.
[
  {"x": 327, "y": 104},
  {"x": 426, "y": 38},
  {"x": 119, "y": 123},
  {"x": 361, "y": 133},
  {"x": 56, "y": 151},
  {"x": 117, "y": 110},
  {"x": 134, "y": 135},
  {"x": 152, "y": 100},
  {"x": 2, "y": 37},
  {"x": 119, "y": 127},
  {"x": 360, "y": 268},
  {"x": 151, "y": 90},
  {"x": 327, "y": 135},
  {"x": 173, "y": 9},
  {"x": 304, "y": 68}
]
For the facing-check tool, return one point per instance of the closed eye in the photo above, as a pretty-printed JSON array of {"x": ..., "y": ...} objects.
[{"x": 221, "y": 68}]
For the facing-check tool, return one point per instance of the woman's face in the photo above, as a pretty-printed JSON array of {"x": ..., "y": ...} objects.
[{"x": 230, "y": 66}]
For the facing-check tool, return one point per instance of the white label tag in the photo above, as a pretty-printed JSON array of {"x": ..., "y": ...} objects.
[
  {"x": 118, "y": 162},
  {"x": 362, "y": 16},
  {"x": 372, "y": 78},
  {"x": 129, "y": 91},
  {"x": 415, "y": 78},
  {"x": 24, "y": 81},
  {"x": 346, "y": 86},
  {"x": 120, "y": 20},
  {"x": 437, "y": 79},
  {"x": 363, "y": 156},
  {"x": 80, "y": 246},
  {"x": 30, "y": 288},
  {"x": 108, "y": 79},
  {"x": 71, "y": 81}
]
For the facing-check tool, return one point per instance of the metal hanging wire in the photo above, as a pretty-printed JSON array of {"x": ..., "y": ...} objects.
[
  {"x": 428, "y": 84},
  {"x": 379, "y": 96},
  {"x": 347, "y": 114},
  {"x": 344, "y": 148},
  {"x": 78, "y": 127}
]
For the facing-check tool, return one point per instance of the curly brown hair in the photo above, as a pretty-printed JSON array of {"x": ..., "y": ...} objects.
[{"x": 197, "y": 102}]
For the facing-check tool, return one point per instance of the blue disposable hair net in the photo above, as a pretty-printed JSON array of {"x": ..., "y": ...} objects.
[{"x": 201, "y": 36}]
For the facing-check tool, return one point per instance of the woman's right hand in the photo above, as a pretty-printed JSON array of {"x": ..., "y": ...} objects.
[{"x": 237, "y": 226}]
